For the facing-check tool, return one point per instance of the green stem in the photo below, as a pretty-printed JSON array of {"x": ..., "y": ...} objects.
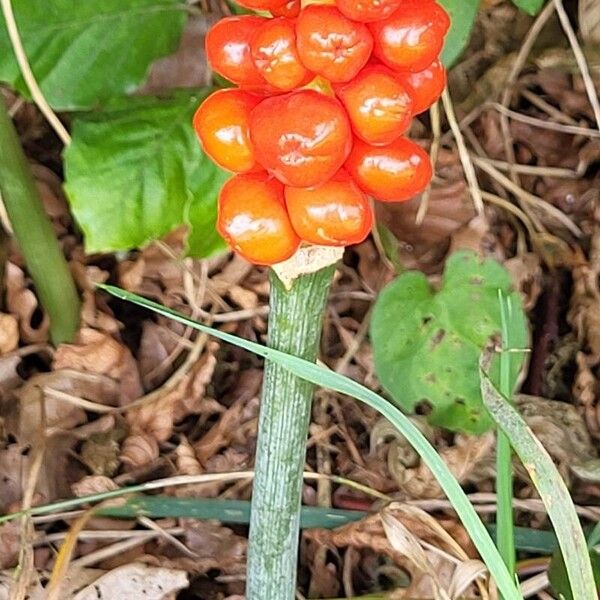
[
  {"x": 34, "y": 234},
  {"x": 295, "y": 323},
  {"x": 504, "y": 475}
]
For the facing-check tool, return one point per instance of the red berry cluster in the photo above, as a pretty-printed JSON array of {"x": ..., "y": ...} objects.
[{"x": 325, "y": 94}]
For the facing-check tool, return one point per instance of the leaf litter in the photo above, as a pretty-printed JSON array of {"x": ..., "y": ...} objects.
[{"x": 137, "y": 398}]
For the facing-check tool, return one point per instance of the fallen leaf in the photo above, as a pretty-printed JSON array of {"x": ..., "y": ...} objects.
[
  {"x": 135, "y": 580},
  {"x": 9, "y": 333},
  {"x": 98, "y": 352},
  {"x": 23, "y": 304}
]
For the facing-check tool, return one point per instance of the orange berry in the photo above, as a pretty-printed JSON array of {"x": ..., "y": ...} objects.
[
  {"x": 302, "y": 138},
  {"x": 336, "y": 213},
  {"x": 392, "y": 173},
  {"x": 253, "y": 220},
  {"x": 221, "y": 124},
  {"x": 378, "y": 105}
]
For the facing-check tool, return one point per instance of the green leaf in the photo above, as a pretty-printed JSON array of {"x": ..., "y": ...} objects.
[
  {"x": 531, "y": 7},
  {"x": 548, "y": 482},
  {"x": 83, "y": 53},
  {"x": 427, "y": 345},
  {"x": 344, "y": 385},
  {"x": 559, "y": 580},
  {"x": 462, "y": 14},
  {"x": 136, "y": 171}
]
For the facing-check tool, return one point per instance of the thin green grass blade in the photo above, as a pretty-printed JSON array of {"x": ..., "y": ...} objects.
[
  {"x": 226, "y": 511},
  {"x": 504, "y": 476},
  {"x": 325, "y": 378},
  {"x": 551, "y": 487}
]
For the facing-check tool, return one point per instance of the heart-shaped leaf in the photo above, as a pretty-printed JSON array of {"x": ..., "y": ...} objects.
[
  {"x": 427, "y": 344},
  {"x": 135, "y": 172},
  {"x": 83, "y": 53}
]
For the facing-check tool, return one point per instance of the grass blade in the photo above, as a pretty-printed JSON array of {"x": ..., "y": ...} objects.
[
  {"x": 504, "y": 475},
  {"x": 550, "y": 485},
  {"x": 326, "y": 378}
]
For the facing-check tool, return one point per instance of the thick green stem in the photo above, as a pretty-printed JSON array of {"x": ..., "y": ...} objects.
[
  {"x": 295, "y": 323},
  {"x": 33, "y": 231}
]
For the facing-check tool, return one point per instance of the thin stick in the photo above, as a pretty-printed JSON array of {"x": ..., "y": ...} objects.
[
  {"x": 535, "y": 122},
  {"x": 517, "y": 66},
  {"x": 465, "y": 157},
  {"x": 436, "y": 128},
  {"x": 588, "y": 82},
  {"x": 28, "y": 76}
]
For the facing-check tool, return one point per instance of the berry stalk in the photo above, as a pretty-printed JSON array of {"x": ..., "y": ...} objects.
[
  {"x": 295, "y": 324},
  {"x": 33, "y": 231}
]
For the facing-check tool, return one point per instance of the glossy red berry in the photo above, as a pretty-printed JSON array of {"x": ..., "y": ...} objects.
[
  {"x": 330, "y": 44},
  {"x": 390, "y": 173},
  {"x": 302, "y": 138},
  {"x": 336, "y": 213},
  {"x": 261, "y": 4},
  {"x": 222, "y": 125},
  {"x": 276, "y": 57},
  {"x": 253, "y": 220},
  {"x": 228, "y": 50},
  {"x": 426, "y": 86},
  {"x": 367, "y": 11},
  {"x": 290, "y": 10},
  {"x": 378, "y": 105},
  {"x": 412, "y": 37}
]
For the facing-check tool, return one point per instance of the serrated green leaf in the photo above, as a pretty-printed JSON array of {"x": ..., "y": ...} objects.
[
  {"x": 427, "y": 345},
  {"x": 136, "y": 171},
  {"x": 83, "y": 53},
  {"x": 462, "y": 15},
  {"x": 531, "y": 7}
]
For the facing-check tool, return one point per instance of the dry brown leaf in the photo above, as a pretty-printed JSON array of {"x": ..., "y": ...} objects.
[
  {"x": 416, "y": 480},
  {"x": 527, "y": 277},
  {"x": 234, "y": 424},
  {"x": 154, "y": 272},
  {"x": 185, "y": 458},
  {"x": 217, "y": 547},
  {"x": 138, "y": 450},
  {"x": 22, "y": 302},
  {"x": 9, "y": 333},
  {"x": 98, "y": 352},
  {"x": 10, "y": 544},
  {"x": 135, "y": 580},
  {"x": 157, "y": 346},
  {"x": 93, "y": 484},
  {"x": 157, "y": 418},
  {"x": 420, "y": 530}
]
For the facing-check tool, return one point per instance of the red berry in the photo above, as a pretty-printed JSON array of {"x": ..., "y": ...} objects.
[
  {"x": 275, "y": 56},
  {"x": 367, "y": 11},
  {"x": 253, "y": 219},
  {"x": 221, "y": 124},
  {"x": 390, "y": 173},
  {"x": 330, "y": 44},
  {"x": 228, "y": 50},
  {"x": 336, "y": 213},
  {"x": 291, "y": 9},
  {"x": 302, "y": 138},
  {"x": 411, "y": 38},
  {"x": 379, "y": 106},
  {"x": 426, "y": 86},
  {"x": 261, "y": 4}
]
